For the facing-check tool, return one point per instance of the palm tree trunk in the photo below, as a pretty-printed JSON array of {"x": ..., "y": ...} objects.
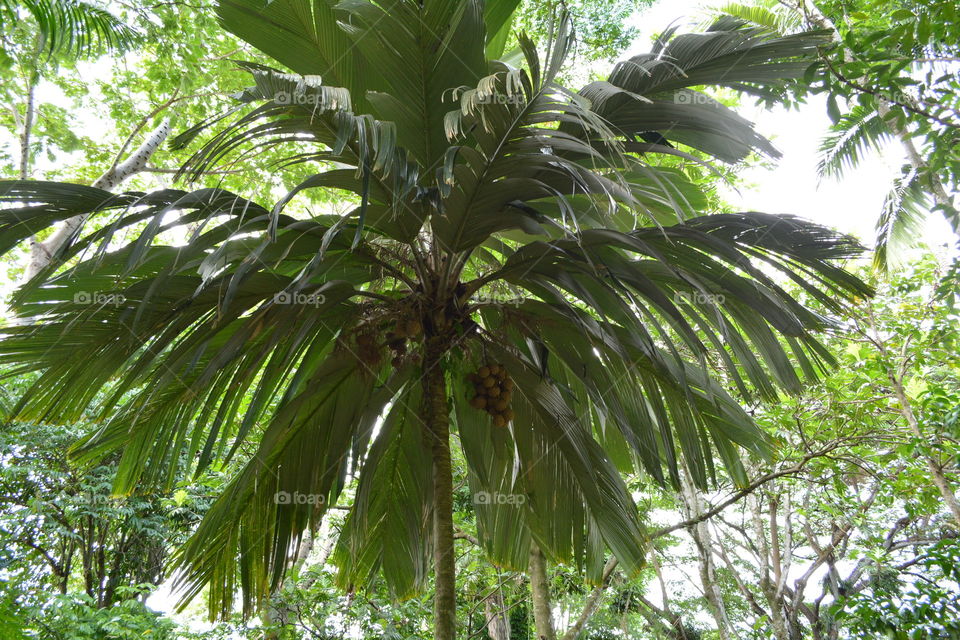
[
  {"x": 540, "y": 593},
  {"x": 437, "y": 416}
]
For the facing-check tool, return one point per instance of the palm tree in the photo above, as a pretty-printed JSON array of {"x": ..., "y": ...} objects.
[{"x": 515, "y": 268}]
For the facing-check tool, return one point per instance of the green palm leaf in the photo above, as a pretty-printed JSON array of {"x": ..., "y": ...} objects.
[{"x": 71, "y": 27}]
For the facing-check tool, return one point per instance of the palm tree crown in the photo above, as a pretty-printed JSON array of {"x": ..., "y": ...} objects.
[{"x": 517, "y": 267}]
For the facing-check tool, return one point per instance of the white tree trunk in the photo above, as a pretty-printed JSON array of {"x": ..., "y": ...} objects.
[
  {"x": 41, "y": 253},
  {"x": 700, "y": 532}
]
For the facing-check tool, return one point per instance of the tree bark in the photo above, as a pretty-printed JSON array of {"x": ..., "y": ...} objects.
[
  {"x": 540, "y": 594},
  {"x": 436, "y": 412},
  {"x": 494, "y": 611},
  {"x": 700, "y": 533}
]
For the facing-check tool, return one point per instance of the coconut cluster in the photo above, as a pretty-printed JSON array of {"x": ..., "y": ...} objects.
[
  {"x": 370, "y": 342},
  {"x": 406, "y": 328},
  {"x": 494, "y": 388}
]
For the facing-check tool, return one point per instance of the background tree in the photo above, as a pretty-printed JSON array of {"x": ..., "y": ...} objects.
[{"x": 891, "y": 75}]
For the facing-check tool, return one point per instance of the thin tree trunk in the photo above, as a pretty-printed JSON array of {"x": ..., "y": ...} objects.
[
  {"x": 936, "y": 471},
  {"x": 494, "y": 611},
  {"x": 540, "y": 594},
  {"x": 593, "y": 601},
  {"x": 436, "y": 411},
  {"x": 29, "y": 113},
  {"x": 905, "y": 408},
  {"x": 941, "y": 198},
  {"x": 27, "y": 131},
  {"x": 771, "y": 588},
  {"x": 690, "y": 496}
]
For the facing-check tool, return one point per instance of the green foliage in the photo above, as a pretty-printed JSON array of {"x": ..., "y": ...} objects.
[
  {"x": 601, "y": 26},
  {"x": 504, "y": 171},
  {"x": 890, "y": 73},
  {"x": 68, "y": 27},
  {"x": 902, "y": 607},
  {"x": 635, "y": 325},
  {"x": 898, "y": 55},
  {"x": 77, "y": 617},
  {"x": 79, "y": 561}
]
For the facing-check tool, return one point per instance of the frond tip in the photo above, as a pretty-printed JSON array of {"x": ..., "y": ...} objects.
[{"x": 857, "y": 132}]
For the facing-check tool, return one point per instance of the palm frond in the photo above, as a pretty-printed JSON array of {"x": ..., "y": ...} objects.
[
  {"x": 767, "y": 14},
  {"x": 389, "y": 529},
  {"x": 72, "y": 27},
  {"x": 465, "y": 177},
  {"x": 900, "y": 225},
  {"x": 857, "y": 132},
  {"x": 655, "y": 92}
]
